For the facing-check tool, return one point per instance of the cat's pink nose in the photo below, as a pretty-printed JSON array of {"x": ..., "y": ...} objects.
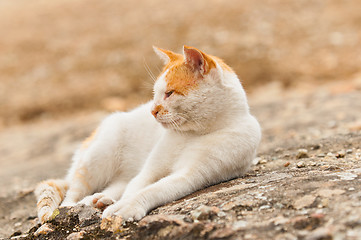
[
  {"x": 156, "y": 110},
  {"x": 155, "y": 113}
]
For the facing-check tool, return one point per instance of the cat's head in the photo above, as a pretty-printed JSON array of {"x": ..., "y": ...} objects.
[{"x": 189, "y": 93}]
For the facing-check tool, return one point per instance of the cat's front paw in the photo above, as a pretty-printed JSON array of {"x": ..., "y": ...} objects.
[
  {"x": 98, "y": 200},
  {"x": 128, "y": 210},
  {"x": 102, "y": 202}
]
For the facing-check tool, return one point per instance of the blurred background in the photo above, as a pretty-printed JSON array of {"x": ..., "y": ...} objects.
[{"x": 62, "y": 57}]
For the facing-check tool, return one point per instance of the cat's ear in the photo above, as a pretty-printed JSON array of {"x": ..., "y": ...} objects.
[
  {"x": 165, "y": 55},
  {"x": 198, "y": 60}
]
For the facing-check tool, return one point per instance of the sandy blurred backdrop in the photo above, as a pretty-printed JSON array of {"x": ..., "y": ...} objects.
[{"x": 64, "y": 57}]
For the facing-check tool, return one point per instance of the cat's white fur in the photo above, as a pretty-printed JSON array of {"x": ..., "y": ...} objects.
[{"x": 140, "y": 162}]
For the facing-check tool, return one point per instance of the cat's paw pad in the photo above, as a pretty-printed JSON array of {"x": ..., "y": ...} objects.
[
  {"x": 97, "y": 200},
  {"x": 102, "y": 202}
]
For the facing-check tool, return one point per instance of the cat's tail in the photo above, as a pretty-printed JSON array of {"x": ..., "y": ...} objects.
[{"x": 49, "y": 194}]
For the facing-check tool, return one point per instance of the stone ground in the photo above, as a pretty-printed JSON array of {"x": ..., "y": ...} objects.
[{"x": 306, "y": 182}]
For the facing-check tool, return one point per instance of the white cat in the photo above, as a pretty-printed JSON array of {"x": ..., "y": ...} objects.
[{"x": 197, "y": 131}]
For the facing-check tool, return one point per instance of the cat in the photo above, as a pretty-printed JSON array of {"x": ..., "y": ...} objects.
[{"x": 197, "y": 131}]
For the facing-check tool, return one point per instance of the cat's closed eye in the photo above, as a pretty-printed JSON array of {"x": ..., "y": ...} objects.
[{"x": 168, "y": 94}]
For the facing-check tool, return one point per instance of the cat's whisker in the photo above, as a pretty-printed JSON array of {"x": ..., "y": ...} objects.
[
  {"x": 194, "y": 122},
  {"x": 171, "y": 121},
  {"x": 198, "y": 124},
  {"x": 174, "y": 125},
  {"x": 177, "y": 128},
  {"x": 147, "y": 85},
  {"x": 170, "y": 118},
  {"x": 147, "y": 68}
]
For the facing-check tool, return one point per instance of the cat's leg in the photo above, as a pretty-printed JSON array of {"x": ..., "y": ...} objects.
[
  {"x": 91, "y": 171},
  {"x": 97, "y": 160},
  {"x": 165, "y": 190},
  {"x": 79, "y": 187},
  {"x": 147, "y": 176}
]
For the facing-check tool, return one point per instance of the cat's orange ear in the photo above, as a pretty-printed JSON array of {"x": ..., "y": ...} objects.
[
  {"x": 198, "y": 60},
  {"x": 166, "y": 55}
]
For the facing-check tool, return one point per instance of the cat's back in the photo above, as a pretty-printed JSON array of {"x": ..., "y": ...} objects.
[
  {"x": 130, "y": 133},
  {"x": 136, "y": 122}
]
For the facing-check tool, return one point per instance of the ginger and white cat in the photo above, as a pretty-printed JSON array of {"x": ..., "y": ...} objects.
[{"x": 197, "y": 131}]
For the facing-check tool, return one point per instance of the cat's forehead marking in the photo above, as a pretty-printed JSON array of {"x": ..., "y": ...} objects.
[{"x": 180, "y": 78}]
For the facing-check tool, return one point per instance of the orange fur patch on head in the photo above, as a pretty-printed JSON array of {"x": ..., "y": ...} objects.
[
  {"x": 181, "y": 76},
  {"x": 181, "y": 79},
  {"x": 88, "y": 140}
]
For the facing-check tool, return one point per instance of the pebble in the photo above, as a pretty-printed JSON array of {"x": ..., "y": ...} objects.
[
  {"x": 263, "y": 161},
  {"x": 204, "y": 212},
  {"x": 324, "y": 167},
  {"x": 278, "y": 205},
  {"x": 76, "y": 235},
  {"x": 286, "y": 164},
  {"x": 322, "y": 155},
  {"x": 264, "y": 207},
  {"x": 112, "y": 224},
  {"x": 302, "y": 153},
  {"x": 221, "y": 214},
  {"x": 313, "y": 164},
  {"x": 18, "y": 224},
  {"x": 301, "y": 164},
  {"x": 305, "y": 201},
  {"x": 279, "y": 220},
  {"x": 278, "y": 150},
  {"x": 341, "y": 154},
  {"x": 349, "y": 151},
  {"x": 324, "y": 203}
]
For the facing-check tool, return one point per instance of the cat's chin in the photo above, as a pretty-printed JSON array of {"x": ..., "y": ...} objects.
[
  {"x": 169, "y": 125},
  {"x": 176, "y": 125}
]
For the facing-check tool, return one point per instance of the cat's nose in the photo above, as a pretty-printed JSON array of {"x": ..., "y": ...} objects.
[
  {"x": 157, "y": 109},
  {"x": 155, "y": 113}
]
